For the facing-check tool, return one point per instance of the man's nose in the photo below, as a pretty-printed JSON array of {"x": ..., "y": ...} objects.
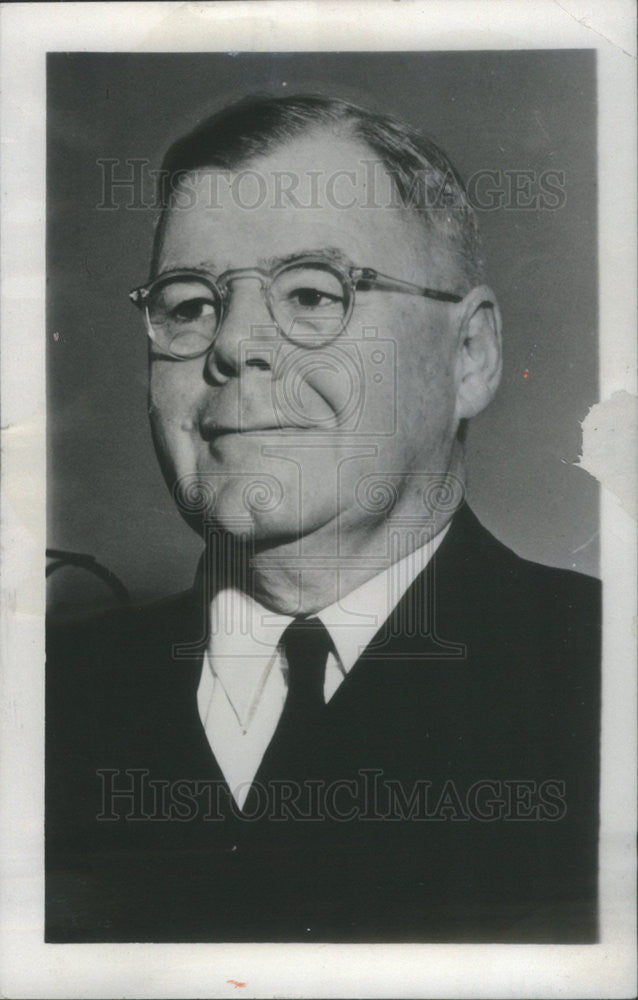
[{"x": 235, "y": 345}]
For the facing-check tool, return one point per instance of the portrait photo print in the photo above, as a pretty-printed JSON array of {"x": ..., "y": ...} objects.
[{"x": 323, "y": 640}]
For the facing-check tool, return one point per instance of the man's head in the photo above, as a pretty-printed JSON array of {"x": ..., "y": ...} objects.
[{"x": 285, "y": 434}]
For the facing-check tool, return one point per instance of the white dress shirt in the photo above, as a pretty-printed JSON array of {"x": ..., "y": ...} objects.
[{"x": 243, "y": 685}]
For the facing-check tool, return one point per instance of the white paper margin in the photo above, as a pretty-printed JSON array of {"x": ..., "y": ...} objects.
[{"x": 30, "y": 968}]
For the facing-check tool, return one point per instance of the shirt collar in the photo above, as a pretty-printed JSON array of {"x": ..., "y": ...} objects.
[
  {"x": 354, "y": 620},
  {"x": 242, "y": 630},
  {"x": 241, "y": 627}
]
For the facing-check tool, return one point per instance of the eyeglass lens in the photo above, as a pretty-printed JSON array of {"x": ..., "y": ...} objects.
[{"x": 307, "y": 301}]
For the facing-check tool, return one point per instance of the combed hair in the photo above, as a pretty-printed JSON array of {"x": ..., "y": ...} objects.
[{"x": 424, "y": 178}]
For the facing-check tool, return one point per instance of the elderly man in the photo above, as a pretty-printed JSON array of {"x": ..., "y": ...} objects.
[{"x": 368, "y": 721}]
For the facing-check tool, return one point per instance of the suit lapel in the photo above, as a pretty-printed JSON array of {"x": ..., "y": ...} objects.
[{"x": 415, "y": 653}]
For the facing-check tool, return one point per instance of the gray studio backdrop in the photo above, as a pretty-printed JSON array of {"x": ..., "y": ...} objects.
[{"x": 520, "y": 125}]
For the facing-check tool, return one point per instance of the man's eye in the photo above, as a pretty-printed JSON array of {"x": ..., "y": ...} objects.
[
  {"x": 192, "y": 310},
  {"x": 312, "y": 298}
]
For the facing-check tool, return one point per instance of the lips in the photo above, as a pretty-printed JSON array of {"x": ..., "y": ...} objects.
[
  {"x": 213, "y": 433},
  {"x": 250, "y": 408}
]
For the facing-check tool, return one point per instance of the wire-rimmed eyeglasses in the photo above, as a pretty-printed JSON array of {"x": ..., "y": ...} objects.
[{"x": 309, "y": 299}]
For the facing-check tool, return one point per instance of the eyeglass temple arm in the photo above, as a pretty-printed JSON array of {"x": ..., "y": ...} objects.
[{"x": 367, "y": 274}]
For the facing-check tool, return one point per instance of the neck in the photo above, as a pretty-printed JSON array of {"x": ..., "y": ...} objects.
[{"x": 307, "y": 574}]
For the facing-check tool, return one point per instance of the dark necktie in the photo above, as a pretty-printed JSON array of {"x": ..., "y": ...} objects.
[
  {"x": 295, "y": 748},
  {"x": 306, "y": 644}
]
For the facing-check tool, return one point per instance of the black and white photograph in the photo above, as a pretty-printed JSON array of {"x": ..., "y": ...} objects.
[{"x": 334, "y": 436}]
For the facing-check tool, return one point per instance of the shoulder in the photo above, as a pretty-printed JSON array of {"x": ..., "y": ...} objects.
[
  {"x": 112, "y": 677},
  {"x": 127, "y": 620},
  {"x": 532, "y": 619},
  {"x": 112, "y": 642},
  {"x": 489, "y": 566}
]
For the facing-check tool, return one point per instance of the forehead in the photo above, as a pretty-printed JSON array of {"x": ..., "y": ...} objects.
[{"x": 317, "y": 191}]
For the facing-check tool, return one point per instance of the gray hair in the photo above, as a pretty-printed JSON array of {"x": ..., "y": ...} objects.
[{"x": 423, "y": 176}]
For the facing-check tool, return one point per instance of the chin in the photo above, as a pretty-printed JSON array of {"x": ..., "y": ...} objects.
[
  {"x": 253, "y": 506},
  {"x": 269, "y": 500},
  {"x": 269, "y": 527}
]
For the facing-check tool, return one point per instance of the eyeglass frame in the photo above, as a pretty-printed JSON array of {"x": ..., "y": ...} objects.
[{"x": 350, "y": 277}]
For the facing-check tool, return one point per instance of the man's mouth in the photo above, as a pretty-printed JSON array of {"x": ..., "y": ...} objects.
[{"x": 214, "y": 433}]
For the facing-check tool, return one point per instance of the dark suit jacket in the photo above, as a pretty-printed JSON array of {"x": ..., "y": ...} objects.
[{"x": 453, "y": 797}]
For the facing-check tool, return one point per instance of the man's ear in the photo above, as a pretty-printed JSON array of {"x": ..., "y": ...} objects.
[{"x": 479, "y": 356}]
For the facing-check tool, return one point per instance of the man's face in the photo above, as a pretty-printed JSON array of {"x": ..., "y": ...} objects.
[{"x": 284, "y": 440}]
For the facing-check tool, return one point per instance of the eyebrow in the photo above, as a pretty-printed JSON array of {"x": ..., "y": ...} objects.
[{"x": 331, "y": 254}]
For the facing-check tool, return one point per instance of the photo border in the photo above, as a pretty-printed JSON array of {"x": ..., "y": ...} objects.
[{"x": 32, "y": 968}]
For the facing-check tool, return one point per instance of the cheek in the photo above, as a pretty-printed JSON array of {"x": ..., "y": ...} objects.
[
  {"x": 173, "y": 400},
  {"x": 425, "y": 402},
  {"x": 172, "y": 412}
]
